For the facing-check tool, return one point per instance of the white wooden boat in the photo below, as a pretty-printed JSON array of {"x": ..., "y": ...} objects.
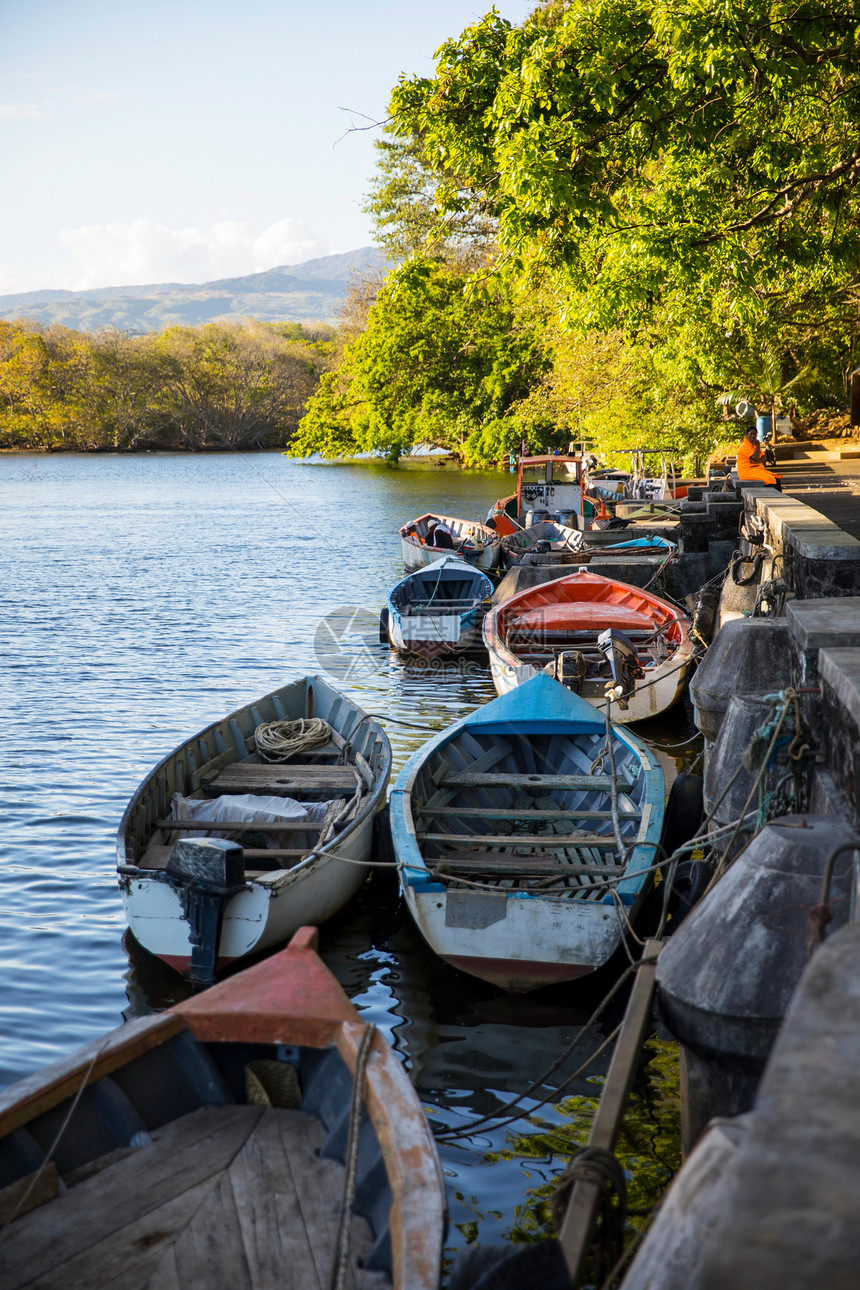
[
  {"x": 208, "y": 1146},
  {"x": 597, "y": 636},
  {"x": 508, "y": 855},
  {"x": 432, "y": 537},
  {"x": 438, "y": 609},
  {"x": 555, "y": 541},
  {"x": 298, "y": 832}
]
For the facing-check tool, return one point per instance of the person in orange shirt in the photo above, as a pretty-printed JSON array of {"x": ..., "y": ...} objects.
[{"x": 750, "y": 461}]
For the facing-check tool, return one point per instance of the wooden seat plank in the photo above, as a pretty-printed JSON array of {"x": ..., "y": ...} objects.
[
  {"x": 498, "y": 864},
  {"x": 239, "y": 826},
  {"x": 521, "y": 839},
  {"x": 282, "y": 779},
  {"x": 526, "y": 814},
  {"x": 472, "y": 779}
]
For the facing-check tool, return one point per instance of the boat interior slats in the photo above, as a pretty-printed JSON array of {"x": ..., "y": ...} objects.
[
  {"x": 502, "y": 864},
  {"x": 233, "y": 1196},
  {"x": 463, "y": 779},
  {"x": 280, "y": 779},
  {"x": 526, "y": 815},
  {"x": 521, "y": 839},
  {"x": 239, "y": 826}
]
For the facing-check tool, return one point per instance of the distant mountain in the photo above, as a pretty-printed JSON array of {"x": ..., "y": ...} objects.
[{"x": 309, "y": 292}]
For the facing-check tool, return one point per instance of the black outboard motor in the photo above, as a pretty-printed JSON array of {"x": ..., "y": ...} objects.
[
  {"x": 205, "y": 873},
  {"x": 571, "y": 668},
  {"x": 620, "y": 653}
]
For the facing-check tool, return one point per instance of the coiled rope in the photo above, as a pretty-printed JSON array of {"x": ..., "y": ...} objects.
[{"x": 278, "y": 740}]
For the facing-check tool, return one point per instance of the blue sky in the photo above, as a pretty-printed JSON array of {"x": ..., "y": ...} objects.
[{"x": 185, "y": 140}]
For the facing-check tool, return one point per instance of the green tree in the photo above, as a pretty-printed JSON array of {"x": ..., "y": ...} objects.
[{"x": 443, "y": 354}]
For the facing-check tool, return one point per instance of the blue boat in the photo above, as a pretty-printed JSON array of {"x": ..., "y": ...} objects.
[
  {"x": 438, "y": 609},
  {"x": 524, "y": 840}
]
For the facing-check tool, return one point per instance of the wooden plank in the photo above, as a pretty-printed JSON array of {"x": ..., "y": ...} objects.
[
  {"x": 130, "y": 1258},
  {"x": 470, "y": 779},
  {"x": 19, "y": 1197},
  {"x": 443, "y": 774},
  {"x": 240, "y": 826},
  {"x": 183, "y": 1155},
  {"x": 256, "y": 777},
  {"x": 533, "y": 866},
  {"x": 526, "y": 814},
  {"x": 580, "y": 1216},
  {"x": 268, "y": 1180},
  {"x": 521, "y": 840},
  {"x": 210, "y": 1250}
]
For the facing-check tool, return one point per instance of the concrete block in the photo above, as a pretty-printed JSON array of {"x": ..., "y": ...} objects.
[
  {"x": 840, "y": 670},
  {"x": 792, "y": 1219}
]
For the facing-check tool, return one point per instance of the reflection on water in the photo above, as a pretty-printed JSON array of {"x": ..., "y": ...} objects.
[{"x": 145, "y": 597}]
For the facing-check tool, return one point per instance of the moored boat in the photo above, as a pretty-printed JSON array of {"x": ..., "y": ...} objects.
[
  {"x": 432, "y": 537},
  {"x": 546, "y": 538},
  {"x": 210, "y": 1145},
  {"x": 600, "y": 637},
  {"x": 225, "y": 850},
  {"x": 518, "y": 832},
  {"x": 438, "y": 609},
  {"x": 549, "y": 488}
]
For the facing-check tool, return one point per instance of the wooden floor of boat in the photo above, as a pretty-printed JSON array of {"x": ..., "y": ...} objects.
[{"x": 223, "y": 1197}]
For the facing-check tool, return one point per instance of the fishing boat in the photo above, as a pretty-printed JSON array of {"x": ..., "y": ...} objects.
[
  {"x": 438, "y": 609},
  {"x": 432, "y": 537},
  {"x": 556, "y": 542},
  {"x": 258, "y": 1134},
  {"x": 257, "y": 825},
  {"x": 521, "y": 834},
  {"x": 549, "y": 488},
  {"x": 601, "y": 638},
  {"x": 550, "y": 543}
]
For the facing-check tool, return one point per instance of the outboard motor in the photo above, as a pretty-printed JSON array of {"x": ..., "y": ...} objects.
[
  {"x": 205, "y": 873},
  {"x": 570, "y": 667},
  {"x": 620, "y": 653}
]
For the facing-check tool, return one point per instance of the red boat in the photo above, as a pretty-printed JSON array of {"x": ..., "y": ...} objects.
[{"x": 217, "y": 1144}]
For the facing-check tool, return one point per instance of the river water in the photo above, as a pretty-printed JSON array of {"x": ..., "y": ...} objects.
[{"x": 144, "y": 597}]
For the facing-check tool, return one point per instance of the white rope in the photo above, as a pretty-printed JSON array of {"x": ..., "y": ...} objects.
[{"x": 278, "y": 740}]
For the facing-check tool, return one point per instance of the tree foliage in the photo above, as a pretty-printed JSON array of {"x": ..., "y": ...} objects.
[
  {"x": 218, "y": 386},
  {"x": 444, "y": 355}
]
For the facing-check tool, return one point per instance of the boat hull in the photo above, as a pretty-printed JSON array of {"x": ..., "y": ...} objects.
[
  {"x": 269, "y": 913},
  {"x": 474, "y": 864},
  {"x": 435, "y": 635},
  {"x": 473, "y": 543},
  {"x": 575, "y": 605},
  {"x": 545, "y": 941},
  {"x": 274, "y": 900}
]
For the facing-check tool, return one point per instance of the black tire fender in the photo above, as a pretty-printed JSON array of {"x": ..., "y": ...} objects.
[
  {"x": 756, "y": 561},
  {"x": 384, "y": 638}
]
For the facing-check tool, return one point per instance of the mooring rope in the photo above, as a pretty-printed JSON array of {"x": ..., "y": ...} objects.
[
  {"x": 341, "y": 1248},
  {"x": 278, "y": 740}
]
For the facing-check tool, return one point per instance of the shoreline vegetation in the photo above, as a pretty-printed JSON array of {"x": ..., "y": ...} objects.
[{"x": 611, "y": 223}]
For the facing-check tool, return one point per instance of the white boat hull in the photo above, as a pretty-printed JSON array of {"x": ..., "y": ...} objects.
[
  {"x": 269, "y": 913},
  {"x": 416, "y": 555},
  {"x": 658, "y": 690},
  {"x": 516, "y": 944}
]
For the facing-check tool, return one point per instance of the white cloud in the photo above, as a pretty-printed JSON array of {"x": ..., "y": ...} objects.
[
  {"x": 144, "y": 251},
  {"x": 9, "y": 111}
]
